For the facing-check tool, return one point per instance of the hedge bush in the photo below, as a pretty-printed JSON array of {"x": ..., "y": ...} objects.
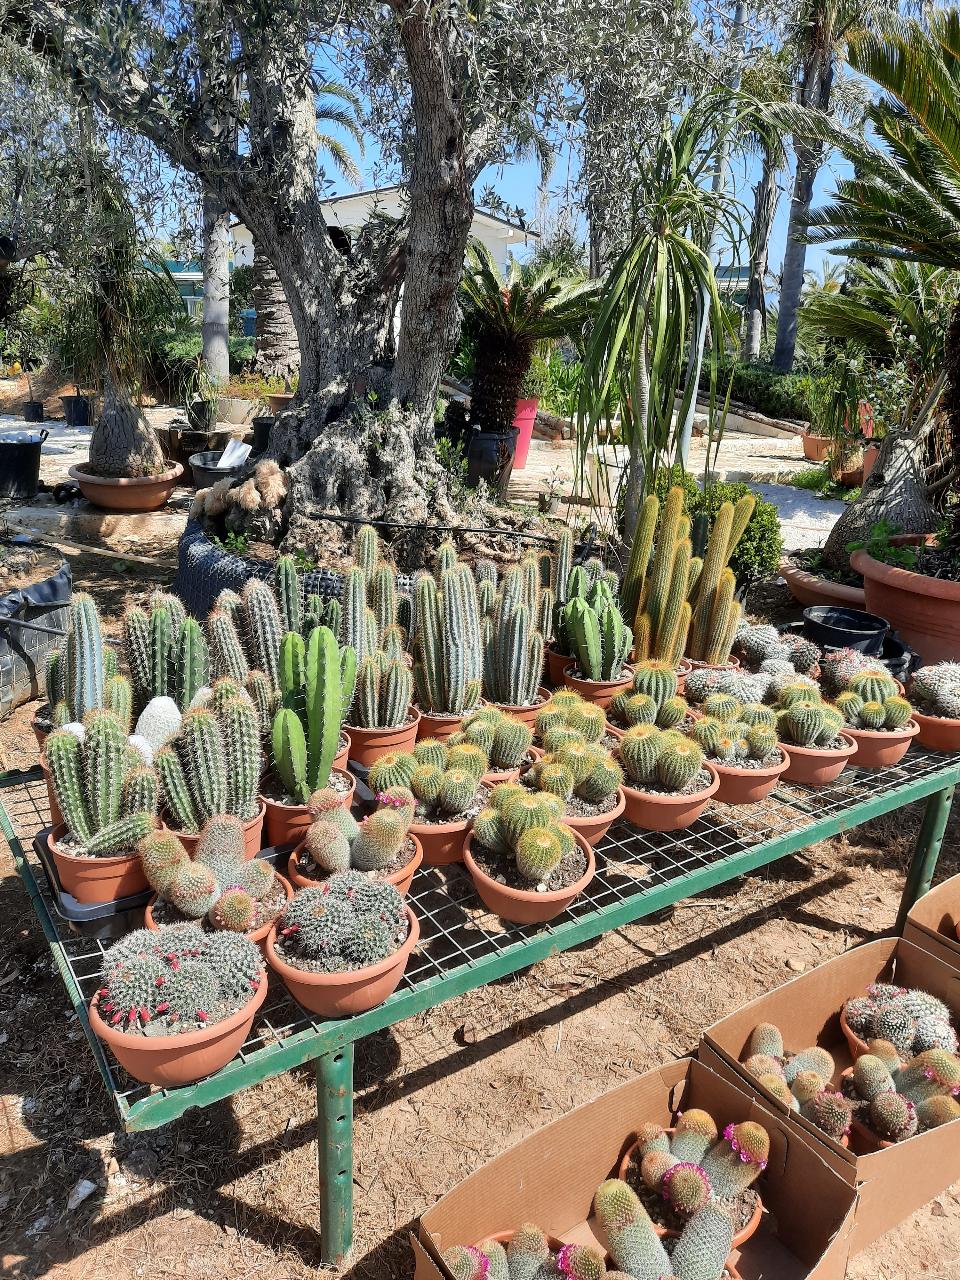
[
  {"x": 759, "y": 551},
  {"x": 761, "y": 387}
]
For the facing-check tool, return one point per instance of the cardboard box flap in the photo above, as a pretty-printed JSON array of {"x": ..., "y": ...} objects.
[{"x": 934, "y": 919}]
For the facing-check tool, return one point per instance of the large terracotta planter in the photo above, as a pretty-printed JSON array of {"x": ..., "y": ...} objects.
[
  {"x": 747, "y": 786},
  {"x": 652, "y": 812},
  {"x": 252, "y": 835},
  {"x": 439, "y": 727},
  {"x": 869, "y": 460},
  {"x": 880, "y": 749},
  {"x": 594, "y": 828},
  {"x": 924, "y": 611},
  {"x": 279, "y": 401},
  {"x": 259, "y": 936},
  {"x": 527, "y": 714},
  {"x": 169, "y": 1061},
  {"x": 525, "y": 906},
  {"x": 815, "y": 448},
  {"x": 285, "y": 823},
  {"x": 338, "y": 995},
  {"x": 442, "y": 842},
  {"x": 808, "y": 589},
  {"x": 96, "y": 879},
  {"x": 815, "y": 767},
  {"x": 368, "y": 745},
  {"x": 401, "y": 880},
  {"x": 122, "y": 493},
  {"x": 557, "y": 663},
  {"x": 600, "y": 692},
  {"x": 937, "y": 733}
]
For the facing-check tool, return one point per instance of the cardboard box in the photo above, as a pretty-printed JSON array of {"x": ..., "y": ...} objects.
[
  {"x": 933, "y": 920},
  {"x": 550, "y": 1178},
  {"x": 891, "y": 1183}
]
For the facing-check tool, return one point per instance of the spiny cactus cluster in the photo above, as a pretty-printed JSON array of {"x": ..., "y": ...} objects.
[
  {"x": 447, "y": 646},
  {"x": 512, "y": 640},
  {"x": 804, "y": 720},
  {"x": 526, "y": 826},
  {"x": 600, "y": 639},
  {"x": 77, "y": 674},
  {"x": 660, "y": 759},
  {"x": 568, "y": 582},
  {"x": 911, "y": 1020},
  {"x": 897, "y": 1098},
  {"x": 568, "y": 716},
  {"x": 348, "y": 922},
  {"x": 757, "y": 643},
  {"x": 936, "y": 690},
  {"x": 107, "y": 795},
  {"x": 384, "y": 692},
  {"x": 576, "y": 767},
  {"x": 746, "y": 686},
  {"x": 317, "y": 682},
  {"x": 505, "y": 739},
  {"x": 732, "y": 733},
  {"x": 699, "y": 1254},
  {"x": 799, "y": 1080},
  {"x": 219, "y": 886},
  {"x": 443, "y": 776},
  {"x": 336, "y": 842},
  {"x": 372, "y": 616},
  {"x": 213, "y": 765},
  {"x": 838, "y": 668},
  {"x": 876, "y": 715},
  {"x": 651, "y": 699},
  {"x": 526, "y": 1256},
  {"x": 166, "y": 652},
  {"x": 177, "y": 979}
]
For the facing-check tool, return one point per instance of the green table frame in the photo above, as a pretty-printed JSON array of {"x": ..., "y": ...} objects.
[{"x": 638, "y": 874}]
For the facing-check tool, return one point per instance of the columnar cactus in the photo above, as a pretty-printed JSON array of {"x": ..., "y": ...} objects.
[
  {"x": 212, "y": 765},
  {"x": 286, "y": 582},
  {"x": 358, "y": 622},
  {"x": 75, "y": 679},
  {"x": 227, "y": 657},
  {"x": 660, "y": 585},
  {"x": 601, "y": 641},
  {"x": 512, "y": 647},
  {"x": 316, "y": 687},
  {"x": 263, "y": 628},
  {"x": 448, "y": 653},
  {"x": 384, "y": 690}
]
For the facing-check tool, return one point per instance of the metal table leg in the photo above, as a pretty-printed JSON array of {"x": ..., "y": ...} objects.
[
  {"x": 926, "y": 851},
  {"x": 335, "y": 1152}
]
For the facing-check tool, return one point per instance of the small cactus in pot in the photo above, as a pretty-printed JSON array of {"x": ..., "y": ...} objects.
[
  {"x": 651, "y": 699},
  {"x": 336, "y": 842},
  {"x": 349, "y": 922}
]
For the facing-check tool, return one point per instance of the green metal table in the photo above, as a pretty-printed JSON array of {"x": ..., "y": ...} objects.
[{"x": 462, "y": 947}]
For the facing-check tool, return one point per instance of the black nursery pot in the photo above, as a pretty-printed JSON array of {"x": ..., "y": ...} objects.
[
  {"x": 76, "y": 410},
  {"x": 490, "y": 457},
  {"x": 202, "y": 415},
  {"x": 33, "y": 411},
  {"x": 262, "y": 426},
  {"x": 835, "y": 628}
]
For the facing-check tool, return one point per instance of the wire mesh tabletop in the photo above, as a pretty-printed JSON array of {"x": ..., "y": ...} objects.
[{"x": 463, "y": 946}]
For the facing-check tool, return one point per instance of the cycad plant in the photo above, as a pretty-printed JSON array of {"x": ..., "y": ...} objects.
[{"x": 507, "y": 316}]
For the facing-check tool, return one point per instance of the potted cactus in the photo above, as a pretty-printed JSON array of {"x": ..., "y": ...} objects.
[
  {"x": 212, "y": 766},
  {"x": 527, "y": 866},
  {"x": 877, "y": 719},
  {"x": 601, "y": 643},
  {"x": 586, "y": 778},
  {"x": 568, "y": 712},
  {"x": 108, "y": 798},
  {"x": 165, "y": 651},
  {"x": 564, "y": 585},
  {"x": 668, "y": 779},
  {"x": 382, "y": 719},
  {"x": 678, "y": 1170},
  {"x": 448, "y": 655},
  {"x": 382, "y": 846},
  {"x": 448, "y": 790},
  {"x": 652, "y": 698},
  {"x": 506, "y": 741},
  {"x": 701, "y": 1252},
  {"x": 513, "y": 644},
  {"x": 893, "y": 1098},
  {"x": 524, "y": 1253},
  {"x": 342, "y": 947},
  {"x": 316, "y": 687},
  {"x": 175, "y": 1004},
  {"x": 936, "y": 695},
  {"x": 218, "y": 889},
  {"x": 740, "y": 741},
  {"x": 800, "y": 1081},
  {"x": 911, "y": 1020},
  {"x": 810, "y": 732},
  {"x": 759, "y": 642}
]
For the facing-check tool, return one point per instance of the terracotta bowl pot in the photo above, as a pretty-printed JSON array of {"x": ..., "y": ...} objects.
[
  {"x": 614, "y": 730},
  {"x": 740, "y": 1237},
  {"x": 731, "y": 664},
  {"x": 684, "y": 667},
  {"x": 401, "y": 880},
  {"x": 442, "y": 842},
  {"x": 857, "y": 1046},
  {"x": 600, "y": 692},
  {"x": 808, "y": 588},
  {"x": 367, "y": 745},
  {"x": 652, "y": 812},
  {"x": 96, "y": 879},
  {"x": 169, "y": 1061},
  {"x": 337, "y": 995},
  {"x": 878, "y": 750},
  {"x": 924, "y": 611},
  {"x": 557, "y": 663},
  {"x": 113, "y": 493},
  {"x": 747, "y": 786},
  {"x": 56, "y": 817},
  {"x": 524, "y": 906},
  {"x": 258, "y": 936},
  {"x": 815, "y": 767},
  {"x": 504, "y": 1237},
  {"x": 527, "y": 714},
  {"x": 937, "y": 733},
  {"x": 495, "y": 777},
  {"x": 252, "y": 835},
  {"x": 593, "y": 829},
  {"x": 439, "y": 727},
  {"x": 284, "y": 823}
]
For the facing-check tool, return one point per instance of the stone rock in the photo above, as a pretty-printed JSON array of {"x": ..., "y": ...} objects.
[{"x": 83, "y": 1190}]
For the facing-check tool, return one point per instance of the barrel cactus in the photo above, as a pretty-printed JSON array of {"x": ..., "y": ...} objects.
[{"x": 349, "y": 922}]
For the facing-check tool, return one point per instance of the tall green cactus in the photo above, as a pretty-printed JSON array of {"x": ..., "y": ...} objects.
[
  {"x": 447, "y": 649},
  {"x": 199, "y": 745},
  {"x": 118, "y": 698},
  {"x": 513, "y": 649},
  {"x": 83, "y": 658},
  {"x": 354, "y": 630},
  {"x": 715, "y": 611},
  {"x": 317, "y": 682},
  {"x": 366, "y": 551},
  {"x": 287, "y": 586},
  {"x": 289, "y": 752},
  {"x": 382, "y": 595},
  {"x": 384, "y": 693},
  {"x": 191, "y": 665},
  {"x": 241, "y": 753},
  {"x": 263, "y": 628},
  {"x": 639, "y": 562},
  {"x": 227, "y": 657},
  {"x": 324, "y": 707},
  {"x": 600, "y": 640},
  {"x": 161, "y": 648}
]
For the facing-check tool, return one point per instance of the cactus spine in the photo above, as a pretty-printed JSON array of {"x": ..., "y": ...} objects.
[{"x": 264, "y": 629}]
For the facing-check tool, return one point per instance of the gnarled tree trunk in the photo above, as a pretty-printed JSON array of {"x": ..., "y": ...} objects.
[
  {"x": 123, "y": 443},
  {"x": 216, "y": 288},
  {"x": 765, "y": 200}
]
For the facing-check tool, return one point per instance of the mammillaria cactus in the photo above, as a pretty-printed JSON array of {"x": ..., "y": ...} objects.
[
  {"x": 936, "y": 690},
  {"x": 348, "y": 922},
  {"x": 512, "y": 645},
  {"x": 448, "y": 648},
  {"x": 911, "y": 1020},
  {"x": 736, "y": 1161},
  {"x": 838, "y": 668},
  {"x": 829, "y": 1111},
  {"x": 893, "y": 1117},
  {"x": 335, "y": 842},
  {"x": 699, "y": 1254}
]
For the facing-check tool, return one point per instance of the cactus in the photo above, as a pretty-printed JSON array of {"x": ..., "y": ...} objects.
[
  {"x": 512, "y": 647},
  {"x": 933, "y": 1112},
  {"x": 873, "y": 685},
  {"x": 241, "y": 751},
  {"x": 765, "y": 1038},
  {"x": 892, "y": 1117},
  {"x": 263, "y": 628},
  {"x": 366, "y": 550},
  {"x": 890, "y": 714},
  {"x": 631, "y": 1239},
  {"x": 538, "y": 852},
  {"x": 264, "y": 699},
  {"x": 511, "y": 742},
  {"x": 733, "y": 1164},
  {"x": 355, "y": 628},
  {"x": 813, "y": 1059},
  {"x": 640, "y": 750},
  {"x": 287, "y": 587},
  {"x": 678, "y": 764},
  {"x": 289, "y": 754},
  {"x": 350, "y": 922},
  {"x": 802, "y": 724},
  {"x": 528, "y": 1253},
  {"x": 694, "y": 1134},
  {"x": 447, "y": 648},
  {"x": 466, "y": 1263},
  {"x": 190, "y": 664},
  {"x": 830, "y": 1112},
  {"x": 936, "y": 690},
  {"x": 395, "y": 769},
  {"x": 384, "y": 692},
  {"x": 379, "y": 840}
]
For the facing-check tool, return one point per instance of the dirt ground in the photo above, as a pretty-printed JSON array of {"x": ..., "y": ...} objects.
[{"x": 231, "y": 1190}]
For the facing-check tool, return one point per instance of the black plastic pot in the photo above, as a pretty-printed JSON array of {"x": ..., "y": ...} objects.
[
  {"x": 76, "y": 410},
  {"x": 490, "y": 458},
  {"x": 33, "y": 411},
  {"x": 262, "y": 426},
  {"x": 205, "y": 469},
  {"x": 202, "y": 414},
  {"x": 20, "y": 464},
  {"x": 835, "y": 628}
]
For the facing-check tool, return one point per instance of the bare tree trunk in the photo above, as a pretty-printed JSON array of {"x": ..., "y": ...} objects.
[
  {"x": 123, "y": 443},
  {"x": 216, "y": 288},
  {"x": 765, "y": 200},
  {"x": 277, "y": 347}
]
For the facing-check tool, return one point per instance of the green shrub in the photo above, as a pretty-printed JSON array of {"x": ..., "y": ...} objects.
[
  {"x": 759, "y": 550},
  {"x": 760, "y": 387}
]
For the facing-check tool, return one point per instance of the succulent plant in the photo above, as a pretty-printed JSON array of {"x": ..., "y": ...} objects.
[
  {"x": 448, "y": 648},
  {"x": 699, "y": 1254},
  {"x": 829, "y": 1111},
  {"x": 348, "y": 922},
  {"x": 505, "y": 739},
  {"x": 335, "y": 842},
  {"x": 524, "y": 825},
  {"x": 809, "y": 724},
  {"x": 936, "y": 689},
  {"x": 212, "y": 766},
  {"x": 601, "y": 641},
  {"x": 912, "y": 1021},
  {"x": 664, "y": 759},
  {"x": 384, "y": 691},
  {"x": 578, "y": 768},
  {"x": 76, "y": 674}
]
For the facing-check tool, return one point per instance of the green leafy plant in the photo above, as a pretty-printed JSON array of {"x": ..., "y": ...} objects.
[{"x": 879, "y": 547}]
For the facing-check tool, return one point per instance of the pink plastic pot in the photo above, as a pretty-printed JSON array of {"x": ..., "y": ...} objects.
[{"x": 524, "y": 418}]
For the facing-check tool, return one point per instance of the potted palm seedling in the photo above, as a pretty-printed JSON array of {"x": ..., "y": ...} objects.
[
  {"x": 652, "y": 698},
  {"x": 811, "y": 732},
  {"x": 588, "y": 781},
  {"x": 601, "y": 644},
  {"x": 668, "y": 779},
  {"x": 506, "y": 741},
  {"x": 175, "y": 1004},
  {"x": 700, "y": 1253},
  {"x": 740, "y": 741},
  {"x": 935, "y": 691},
  {"x": 342, "y": 947},
  {"x": 382, "y": 846},
  {"x": 878, "y": 720}
]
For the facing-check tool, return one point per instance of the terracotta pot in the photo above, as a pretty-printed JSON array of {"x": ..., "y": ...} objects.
[
  {"x": 439, "y": 727},
  {"x": 937, "y": 733},
  {"x": 258, "y": 935},
  {"x": 867, "y": 1140},
  {"x": 39, "y": 733},
  {"x": 815, "y": 448},
  {"x": 615, "y": 730},
  {"x": 869, "y": 460},
  {"x": 252, "y": 835},
  {"x": 56, "y": 817},
  {"x": 747, "y": 786},
  {"x": 878, "y": 750},
  {"x": 285, "y": 823},
  {"x": 731, "y": 664},
  {"x": 525, "y": 906},
  {"x": 850, "y": 477},
  {"x": 442, "y": 843},
  {"x": 684, "y": 667},
  {"x": 593, "y": 829},
  {"x": 495, "y": 777},
  {"x": 527, "y": 714},
  {"x": 279, "y": 401},
  {"x": 857, "y": 1046},
  {"x": 121, "y": 493},
  {"x": 367, "y": 745},
  {"x": 808, "y": 589},
  {"x": 557, "y": 663},
  {"x": 666, "y": 1233},
  {"x": 924, "y": 611},
  {"x": 600, "y": 692},
  {"x": 337, "y": 995},
  {"x": 652, "y": 812},
  {"x": 815, "y": 767},
  {"x": 342, "y": 758},
  {"x": 169, "y": 1061},
  {"x": 96, "y": 879},
  {"x": 401, "y": 880}
]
